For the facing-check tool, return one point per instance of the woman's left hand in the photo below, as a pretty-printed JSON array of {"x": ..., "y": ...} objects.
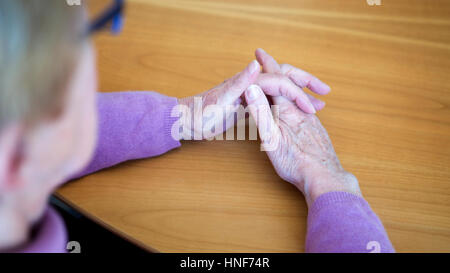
[{"x": 196, "y": 124}]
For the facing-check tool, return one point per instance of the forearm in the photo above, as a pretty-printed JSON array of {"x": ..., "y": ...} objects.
[{"x": 131, "y": 125}]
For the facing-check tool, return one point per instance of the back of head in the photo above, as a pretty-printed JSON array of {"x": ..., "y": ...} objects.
[{"x": 39, "y": 45}]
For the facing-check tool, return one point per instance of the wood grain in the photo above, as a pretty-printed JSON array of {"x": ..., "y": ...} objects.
[{"x": 387, "y": 115}]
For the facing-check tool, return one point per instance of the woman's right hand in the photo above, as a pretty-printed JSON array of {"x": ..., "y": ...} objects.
[
  {"x": 297, "y": 144},
  {"x": 299, "y": 147}
]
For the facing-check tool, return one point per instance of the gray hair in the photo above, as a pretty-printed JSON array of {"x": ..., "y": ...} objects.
[{"x": 40, "y": 42}]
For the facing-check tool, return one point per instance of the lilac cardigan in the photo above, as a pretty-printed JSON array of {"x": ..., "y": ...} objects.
[{"x": 136, "y": 125}]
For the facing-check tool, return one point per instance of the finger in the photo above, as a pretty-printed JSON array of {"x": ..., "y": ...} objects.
[
  {"x": 318, "y": 104},
  {"x": 290, "y": 111},
  {"x": 282, "y": 101},
  {"x": 280, "y": 85},
  {"x": 304, "y": 79},
  {"x": 260, "y": 110},
  {"x": 268, "y": 62},
  {"x": 235, "y": 87}
]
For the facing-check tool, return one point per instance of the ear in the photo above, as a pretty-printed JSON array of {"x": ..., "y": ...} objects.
[{"x": 11, "y": 155}]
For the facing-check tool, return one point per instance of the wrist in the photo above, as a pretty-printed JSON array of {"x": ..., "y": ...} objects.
[
  {"x": 323, "y": 182},
  {"x": 185, "y": 118}
]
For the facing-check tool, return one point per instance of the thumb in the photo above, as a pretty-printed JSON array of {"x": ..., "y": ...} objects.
[
  {"x": 261, "y": 112},
  {"x": 235, "y": 86}
]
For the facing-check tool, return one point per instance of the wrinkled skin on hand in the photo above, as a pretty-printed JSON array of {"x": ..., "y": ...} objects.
[
  {"x": 301, "y": 150},
  {"x": 229, "y": 95},
  {"x": 304, "y": 154}
]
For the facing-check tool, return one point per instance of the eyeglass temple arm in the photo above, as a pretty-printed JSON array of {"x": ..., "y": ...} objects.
[{"x": 114, "y": 13}]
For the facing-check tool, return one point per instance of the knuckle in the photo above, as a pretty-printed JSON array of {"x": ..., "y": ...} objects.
[{"x": 287, "y": 69}]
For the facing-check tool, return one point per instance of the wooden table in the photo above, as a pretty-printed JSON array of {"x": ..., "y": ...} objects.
[{"x": 388, "y": 117}]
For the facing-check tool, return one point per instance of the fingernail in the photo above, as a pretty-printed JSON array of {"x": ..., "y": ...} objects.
[
  {"x": 254, "y": 66},
  {"x": 323, "y": 86},
  {"x": 326, "y": 86},
  {"x": 253, "y": 92}
]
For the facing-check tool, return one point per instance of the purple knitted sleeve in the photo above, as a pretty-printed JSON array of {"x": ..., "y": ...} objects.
[
  {"x": 343, "y": 222},
  {"x": 132, "y": 125}
]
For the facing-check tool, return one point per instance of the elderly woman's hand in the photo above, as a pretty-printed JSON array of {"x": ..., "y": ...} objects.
[
  {"x": 288, "y": 81},
  {"x": 299, "y": 147},
  {"x": 297, "y": 143},
  {"x": 226, "y": 97}
]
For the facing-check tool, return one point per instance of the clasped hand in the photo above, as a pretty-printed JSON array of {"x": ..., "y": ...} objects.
[{"x": 301, "y": 150}]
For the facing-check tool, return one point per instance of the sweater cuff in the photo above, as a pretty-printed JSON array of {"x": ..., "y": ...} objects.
[{"x": 331, "y": 198}]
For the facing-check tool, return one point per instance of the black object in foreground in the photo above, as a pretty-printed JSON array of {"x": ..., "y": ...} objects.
[{"x": 89, "y": 237}]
